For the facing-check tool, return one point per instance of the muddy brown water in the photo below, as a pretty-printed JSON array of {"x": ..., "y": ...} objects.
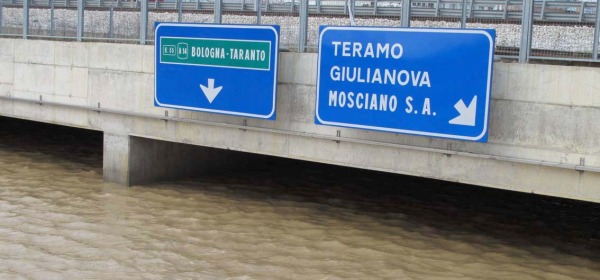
[{"x": 278, "y": 219}]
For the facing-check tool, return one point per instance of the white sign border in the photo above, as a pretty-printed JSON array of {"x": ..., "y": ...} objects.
[
  {"x": 234, "y": 26},
  {"x": 405, "y": 131}
]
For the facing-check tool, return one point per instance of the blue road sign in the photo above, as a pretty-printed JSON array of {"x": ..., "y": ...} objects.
[
  {"x": 429, "y": 82},
  {"x": 227, "y": 69}
]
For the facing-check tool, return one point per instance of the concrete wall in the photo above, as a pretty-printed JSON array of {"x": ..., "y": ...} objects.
[{"x": 541, "y": 116}]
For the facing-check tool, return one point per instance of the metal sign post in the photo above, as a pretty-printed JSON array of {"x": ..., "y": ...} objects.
[
  {"x": 80, "y": 15},
  {"x": 25, "y": 18}
]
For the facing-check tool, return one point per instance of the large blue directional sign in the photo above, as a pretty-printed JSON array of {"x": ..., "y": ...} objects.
[
  {"x": 430, "y": 82},
  {"x": 227, "y": 69}
]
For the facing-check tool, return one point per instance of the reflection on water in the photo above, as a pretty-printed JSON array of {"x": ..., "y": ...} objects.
[{"x": 278, "y": 220}]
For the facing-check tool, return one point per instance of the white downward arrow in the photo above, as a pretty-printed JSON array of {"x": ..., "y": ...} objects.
[
  {"x": 210, "y": 91},
  {"x": 467, "y": 114}
]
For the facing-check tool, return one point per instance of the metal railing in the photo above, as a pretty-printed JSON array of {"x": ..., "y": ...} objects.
[{"x": 525, "y": 29}]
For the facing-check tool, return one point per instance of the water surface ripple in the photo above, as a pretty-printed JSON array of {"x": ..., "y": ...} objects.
[{"x": 278, "y": 219}]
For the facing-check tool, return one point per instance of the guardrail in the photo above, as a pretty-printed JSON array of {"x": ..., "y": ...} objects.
[{"x": 556, "y": 30}]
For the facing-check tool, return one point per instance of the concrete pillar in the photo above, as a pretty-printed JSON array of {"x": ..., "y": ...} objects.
[
  {"x": 130, "y": 160},
  {"x": 115, "y": 159}
]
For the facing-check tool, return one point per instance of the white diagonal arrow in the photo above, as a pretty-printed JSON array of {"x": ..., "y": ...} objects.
[
  {"x": 210, "y": 91},
  {"x": 467, "y": 114}
]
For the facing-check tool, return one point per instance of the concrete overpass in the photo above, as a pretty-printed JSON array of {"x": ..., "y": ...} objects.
[{"x": 544, "y": 134}]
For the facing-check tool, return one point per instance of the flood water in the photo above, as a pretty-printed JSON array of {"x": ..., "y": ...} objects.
[{"x": 279, "y": 219}]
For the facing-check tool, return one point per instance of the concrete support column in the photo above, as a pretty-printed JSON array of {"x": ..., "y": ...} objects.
[
  {"x": 130, "y": 160},
  {"x": 115, "y": 159}
]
